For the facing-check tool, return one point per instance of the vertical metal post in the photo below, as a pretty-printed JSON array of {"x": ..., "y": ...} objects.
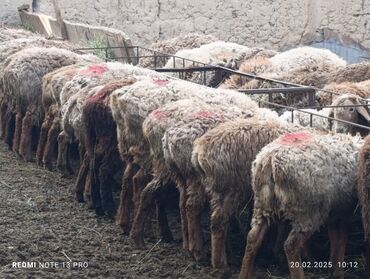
[
  {"x": 311, "y": 119},
  {"x": 155, "y": 59},
  {"x": 311, "y": 97},
  {"x": 270, "y": 99},
  {"x": 106, "y": 54},
  {"x": 292, "y": 115}
]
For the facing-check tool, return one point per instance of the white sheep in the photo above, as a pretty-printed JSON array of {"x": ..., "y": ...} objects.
[{"x": 308, "y": 180}]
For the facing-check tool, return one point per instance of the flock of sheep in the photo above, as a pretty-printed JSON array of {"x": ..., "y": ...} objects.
[{"x": 215, "y": 146}]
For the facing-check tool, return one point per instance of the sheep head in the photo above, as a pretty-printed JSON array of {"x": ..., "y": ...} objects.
[{"x": 357, "y": 114}]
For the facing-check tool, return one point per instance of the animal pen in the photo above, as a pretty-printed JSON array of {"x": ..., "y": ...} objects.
[{"x": 214, "y": 75}]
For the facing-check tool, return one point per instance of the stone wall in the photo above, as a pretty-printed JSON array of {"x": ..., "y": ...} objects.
[{"x": 276, "y": 24}]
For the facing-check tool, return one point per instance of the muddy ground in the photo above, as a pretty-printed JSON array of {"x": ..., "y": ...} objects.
[{"x": 41, "y": 222}]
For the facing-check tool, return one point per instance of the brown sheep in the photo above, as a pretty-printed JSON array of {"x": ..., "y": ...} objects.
[
  {"x": 223, "y": 157},
  {"x": 363, "y": 193},
  {"x": 308, "y": 180},
  {"x": 101, "y": 146},
  {"x": 23, "y": 73}
]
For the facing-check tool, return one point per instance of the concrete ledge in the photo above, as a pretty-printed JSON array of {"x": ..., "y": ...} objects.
[{"x": 80, "y": 34}]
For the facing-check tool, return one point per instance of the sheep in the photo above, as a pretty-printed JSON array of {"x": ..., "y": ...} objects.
[
  {"x": 212, "y": 53},
  {"x": 7, "y": 34},
  {"x": 101, "y": 145},
  {"x": 75, "y": 129},
  {"x": 172, "y": 46},
  {"x": 88, "y": 77},
  {"x": 358, "y": 114},
  {"x": 308, "y": 180},
  {"x": 154, "y": 127},
  {"x": 22, "y": 85},
  {"x": 223, "y": 157},
  {"x": 363, "y": 193},
  {"x": 177, "y": 148},
  {"x": 331, "y": 91},
  {"x": 52, "y": 84},
  {"x": 132, "y": 104},
  {"x": 303, "y": 118},
  {"x": 351, "y": 73},
  {"x": 303, "y": 65},
  {"x": 8, "y": 48},
  {"x": 217, "y": 53}
]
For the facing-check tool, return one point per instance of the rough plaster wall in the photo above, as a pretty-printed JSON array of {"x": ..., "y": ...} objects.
[
  {"x": 8, "y": 11},
  {"x": 277, "y": 24}
]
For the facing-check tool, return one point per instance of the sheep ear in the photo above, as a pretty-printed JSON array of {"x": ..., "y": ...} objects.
[{"x": 364, "y": 112}]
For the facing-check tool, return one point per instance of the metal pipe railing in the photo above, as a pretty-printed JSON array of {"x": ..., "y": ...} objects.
[{"x": 318, "y": 115}]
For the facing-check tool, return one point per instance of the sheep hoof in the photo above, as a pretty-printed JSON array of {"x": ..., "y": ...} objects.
[
  {"x": 99, "y": 211},
  {"x": 138, "y": 241},
  {"x": 125, "y": 228},
  {"x": 222, "y": 273},
  {"x": 80, "y": 197},
  {"x": 167, "y": 238},
  {"x": 198, "y": 256},
  {"x": 39, "y": 161},
  {"x": 110, "y": 213},
  {"x": 48, "y": 166}
]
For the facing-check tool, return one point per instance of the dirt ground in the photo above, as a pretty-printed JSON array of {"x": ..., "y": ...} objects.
[{"x": 40, "y": 222}]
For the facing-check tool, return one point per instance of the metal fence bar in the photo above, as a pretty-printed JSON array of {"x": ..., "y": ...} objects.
[{"x": 319, "y": 115}]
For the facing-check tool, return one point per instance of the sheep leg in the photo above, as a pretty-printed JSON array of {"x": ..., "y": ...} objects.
[
  {"x": 293, "y": 247},
  {"x": 95, "y": 186},
  {"x": 68, "y": 161},
  {"x": 17, "y": 132},
  {"x": 279, "y": 242},
  {"x": 338, "y": 233},
  {"x": 3, "y": 110},
  {"x": 219, "y": 227},
  {"x": 126, "y": 202},
  {"x": 62, "y": 153},
  {"x": 51, "y": 142},
  {"x": 81, "y": 179},
  {"x": 45, "y": 127},
  {"x": 184, "y": 218},
  {"x": 25, "y": 145},
  {"x": 164, "y": 228},
  {"x": 195, "y": 203},
  {"x": 367, "y": 258},
  {"x": 143, "y": 211},
  {"x": 254, "y": 241},
  {"x": 9, "y": 129},
  {"x": 139, "y": 181}
]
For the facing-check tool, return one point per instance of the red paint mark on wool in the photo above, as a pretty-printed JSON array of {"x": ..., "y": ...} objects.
[
  {"x": 158, "y": 114},
  {"x": 99, "y": 97},
  {"x": 205, "y": 114},
  {"x": 161, "y": 82},
  {"x": 94, "y": 70},
  {"x": 295, "y": 139}
]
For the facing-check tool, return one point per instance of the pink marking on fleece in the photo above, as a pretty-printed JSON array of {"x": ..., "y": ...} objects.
[
  {"x": 94, "y": 70},
  {"x": 295, "y": 139},
  {"x": 158, "y": 114},
  {"x": 161, "y": 82}
]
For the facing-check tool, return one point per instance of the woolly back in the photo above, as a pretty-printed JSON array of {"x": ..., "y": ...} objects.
[
  {"x": 352, "y": 72},
  {"x": 178, "y": 140}
]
